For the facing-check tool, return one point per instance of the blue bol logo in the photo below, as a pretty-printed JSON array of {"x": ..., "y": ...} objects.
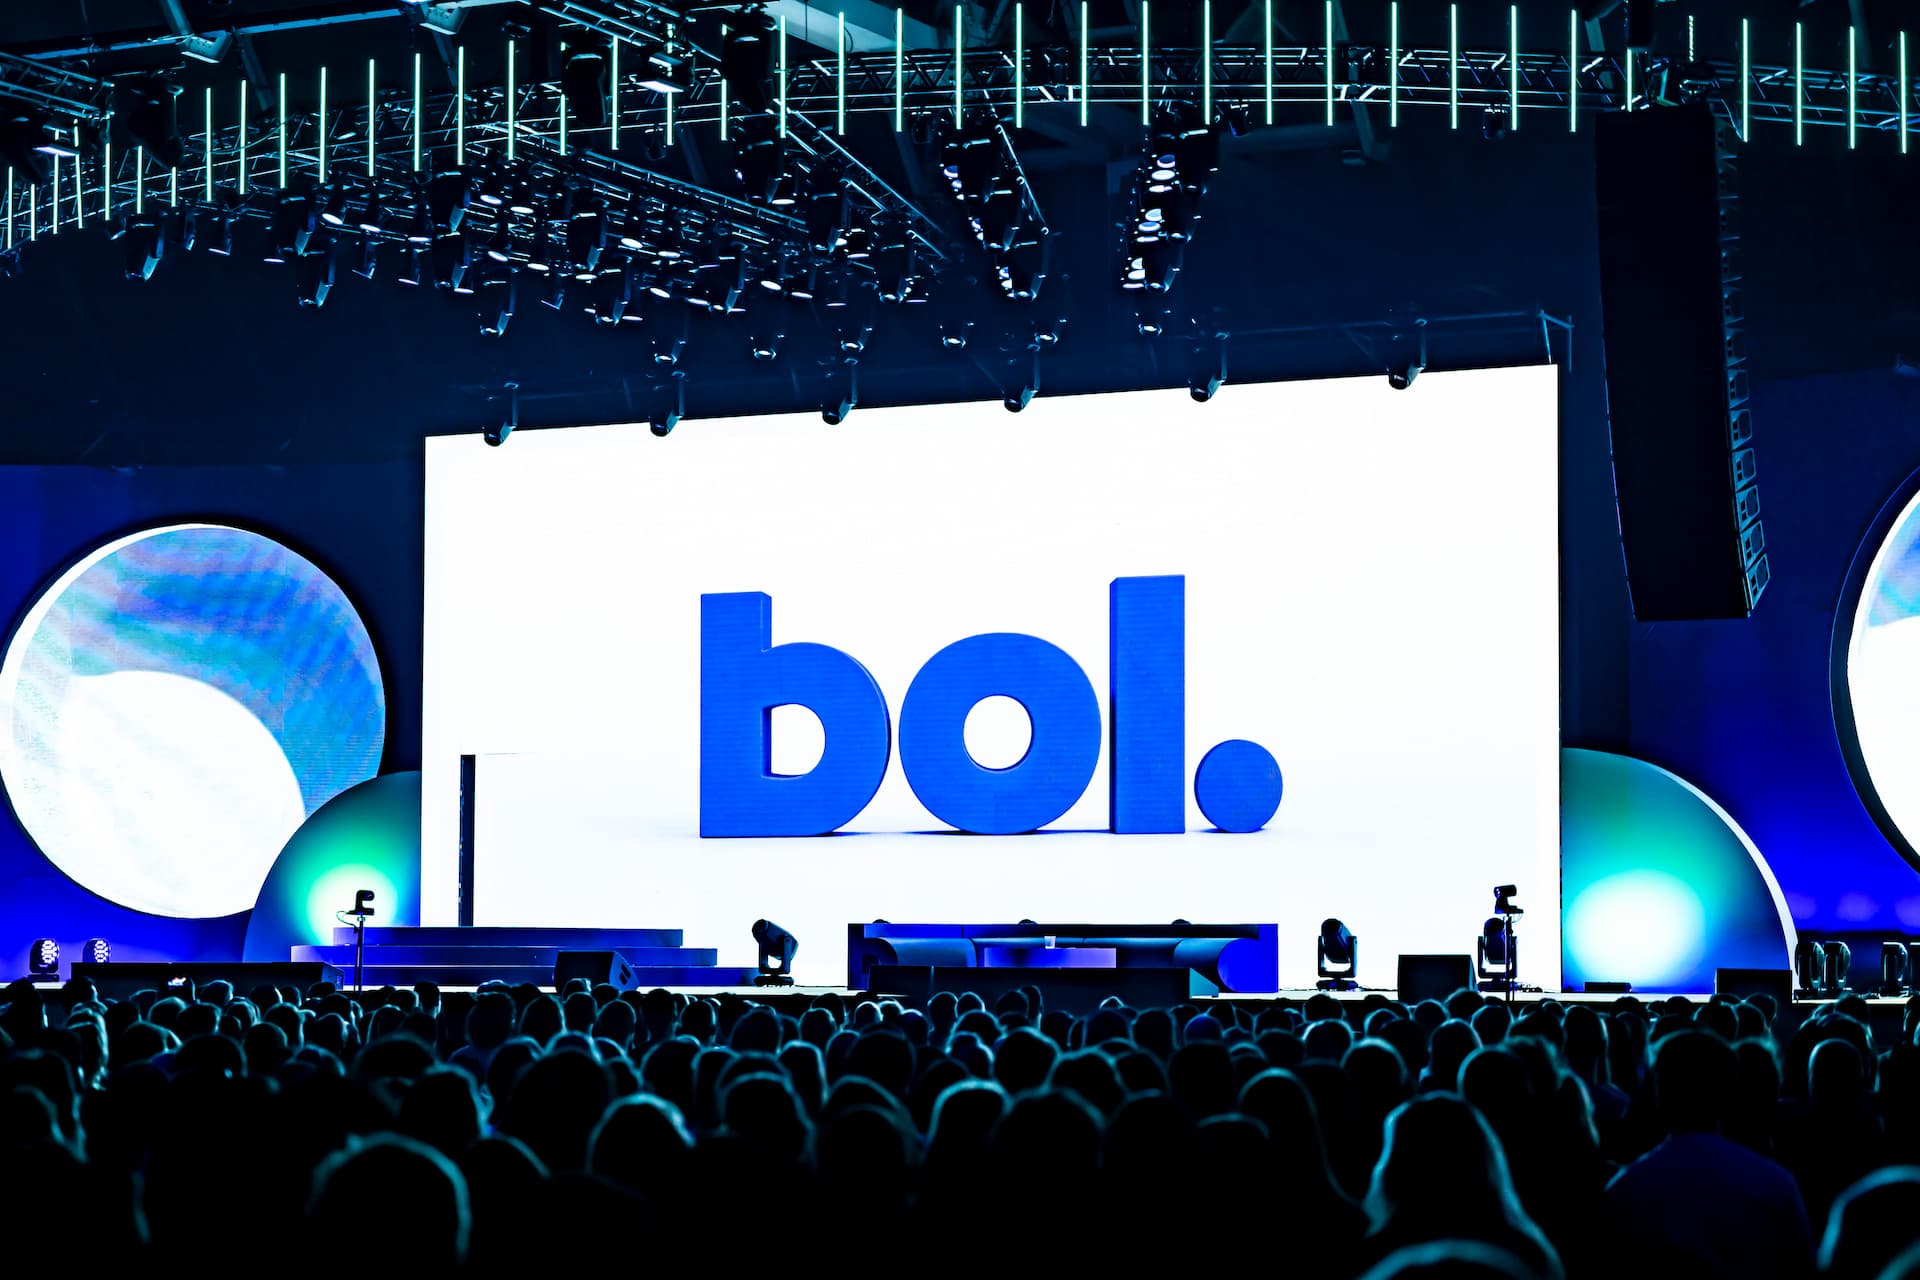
[{"x": 744, "y": 676}]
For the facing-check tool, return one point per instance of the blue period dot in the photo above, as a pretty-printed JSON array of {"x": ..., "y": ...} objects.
[{"x": 1238, "y": 785}]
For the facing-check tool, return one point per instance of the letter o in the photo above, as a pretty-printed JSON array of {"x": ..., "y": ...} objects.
[{"x": 1060, "y": 760}]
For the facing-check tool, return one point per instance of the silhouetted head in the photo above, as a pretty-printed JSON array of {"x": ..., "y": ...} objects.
[
  {"x": 443, "y": 1110},
  {"x": 1694, "y": 1073},
  {"x": 490, "y": 1021},
  {"x": 1440, "y": 1164},
  {"x": 1023, "y": 1059},
  {"x": 964, "y": 1118},
  {"x": 1836, "y": 1076},
  {"x": 1090, "y": 1073},
  {"x": 1451, "y": 1260},
  {"x": 1203, "y": 1081},
  {"x": 1328, "y": 1040},
  {"x": 1871, "y": 1223},
  {"x": 554, "y": 1107},
  {"x": 762, "y": 1109},
  {"x": 643, "y": 1143},
  {"x": 422, "y": 1225}
]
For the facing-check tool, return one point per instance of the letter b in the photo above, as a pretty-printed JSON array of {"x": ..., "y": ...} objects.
[{"x": 743, "y": 677}]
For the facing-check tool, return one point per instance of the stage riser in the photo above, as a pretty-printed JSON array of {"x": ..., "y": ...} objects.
[
  {"x": 625, "y": 941},
  {"x": 404, "y": 954},
  {"x": 449, "y": 975}
]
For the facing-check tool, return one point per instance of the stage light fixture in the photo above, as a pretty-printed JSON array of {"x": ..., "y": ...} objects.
[
  {"x": 222, "y": 236},
  {"x": 452, "y": 256},
  {"x": 153, "y": 122},
  {"x": 1407, "y": 355},
  {"x": 954, "y": 336},
  {"x": 316, "y": 277},
  {"x": 612, "y": 292},
  {"x": 671, "y": 344},
  {"x": 1837, "y": 959},
  {"x": 777, "y": 948},
  {"x": 1209, "y": 367},
  {"x": 499, "y": 290},
  {"x": 500, "y": 244},
  {"x": 145, "y": 246},
  {"x": 369, "y": 258},
  {"x": 766, "y": 346},
  {"x": 43, "y": 958},
  {"x": 1026, "y": 385},
  {"x": 1896, "y": 974},
  {"x": 663, "y": 422},
  {"x": 294, "y": 222},
  {"x": 28, "y": 144},
  {"x": 183, "y": 228},
  {"x": 1337, "y": 957},
  {"x": 333, "y": 207},
  {"x": 96, "y": 951},
  {"x": 586, "y": 236},
  {"x": 663, "y": 72},
  {"x": 411, "y": 273},
  {"x": 843, "y": 394},
  {"x": 448, "y": 197},
  {"x": 760, "y": 162},
  {"x": 1494, "y": 955},
  {"x": 852, "y": 338},
  {"x": 495, "y": 435},
  {"x": 373, "y": 214},
  {"x": 584, "y": 80},
  {"x": 746, "y": 59}
]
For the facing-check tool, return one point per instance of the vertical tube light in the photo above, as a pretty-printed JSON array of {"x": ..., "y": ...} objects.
[
  {"x": 1146, "y": 65},
  {"x": 460, "y": 107},
  {"x": 1513, "y": 66},
  {"x": 1269, "y": 52},
  {"x": 1573, "y": 71},
  {"x": 783, "y": 75},
  {"x": 1206, "y": 61},
  {"x": 1084, "y": 39},
  {"x": 372, "y": 113},
  {"x": 1393, "y": 66},
  {"x": 1799, "y": 83},
  {"x": 1328, "y": 21},
  {"x": 322, "y": 144},
  {"x": 1453, "y": 66},
  {"x": 1019, "y": 66},
  {"x": 280, "y": 128},
  {"x": 959, "y": 62},
  {"x": 206, "y": 156},
  {"x": 512, "y": 113},
  {"x": 613, "y": 98},
  {"x": 416, "y": 113},
  {"x": 1746, "y": 79},
  {"x": 840, "y": 73},
  {"x": 1853, "y": 87},
  {"x": 900, "y": 65},
  {"x": 243, "y": 137}
]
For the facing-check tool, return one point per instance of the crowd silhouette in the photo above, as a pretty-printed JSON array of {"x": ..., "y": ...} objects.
[{"x": 317, "y": 1132}]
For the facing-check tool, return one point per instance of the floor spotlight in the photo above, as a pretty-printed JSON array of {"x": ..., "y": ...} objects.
[
  {"x": 1338, "y": 957},
  {"x": 1494, "y": 955},
  {"x": 43, "y": 958},
  {"x": 1896, "y": 978},
  {"x": 96, "y": 951},
  {"x": 776, "y": 954}
]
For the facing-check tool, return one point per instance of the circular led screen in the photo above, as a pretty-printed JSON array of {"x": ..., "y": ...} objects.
[
  {"x": 175, "y": 706},
  {"x": 1882, "y": 676}
]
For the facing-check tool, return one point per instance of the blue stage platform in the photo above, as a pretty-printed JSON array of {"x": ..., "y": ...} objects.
[{"x": 398, "y": 955}]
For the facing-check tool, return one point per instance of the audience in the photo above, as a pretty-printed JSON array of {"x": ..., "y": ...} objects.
[{"x": 500, "y": 1130}]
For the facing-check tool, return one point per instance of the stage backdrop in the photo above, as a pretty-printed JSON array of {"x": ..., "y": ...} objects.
[{"x": 1370, "y": 594}]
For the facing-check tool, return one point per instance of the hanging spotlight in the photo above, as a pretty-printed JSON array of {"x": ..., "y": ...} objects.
[
  {"x": 316, "y": 276},
  {"x": 145, "y": 246},
  {"x": 765, "y": 346},
  {"x": 500, "y": 244},
  {"x": 369, "y": 258},
  {"x": 669, "y": 347},
  {"x": 1025, "y": 387},
  {"x": 43, "y": 958},
  {"x": 152, "y": 121},
  {"x": 183, "y": 228},
  {"x": 222, "y": 236},
  {"x": 496, "y": 435},
  {"x": 1337, "y": 946},
  {"x": 954, "y": 336},
  {"x": 1209, "y": 367},
  {"x": 499, "y": 289},
  {"x": 760, "y": 162},
  {"x": 411, "y": 273},
  {"x": 1407, "y": 355},
  {"x": 746, "y": 60},
  {"x": 452, "y": 256},
  {"x": 843, "y": 393},
  {"x": 373, "y": 214},
  {"x": 612, "y": 292},
  {"x": 586, "y": 234},
  {"x": 448, "y": 196},
  {"x": 663, "y": 422},
  {"x": 294, "y": 222},
  {"x": 584, "y": 80},
  {"x": 28, "y": 144},
  {"x": 333, "y": 207}
]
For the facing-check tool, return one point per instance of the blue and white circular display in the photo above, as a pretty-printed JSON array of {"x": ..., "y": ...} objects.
[
  {"x": 175, "y": 706},
  {"x": 1883, "y": 673}
]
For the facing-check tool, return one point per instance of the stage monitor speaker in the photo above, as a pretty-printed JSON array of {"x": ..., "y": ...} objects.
[
  {"x": 1777, "y": 983},
  {"x": 1683, "y": 460},
  {"x": 1433, "y": 977},
  {"x": 595, "y": 966}
]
